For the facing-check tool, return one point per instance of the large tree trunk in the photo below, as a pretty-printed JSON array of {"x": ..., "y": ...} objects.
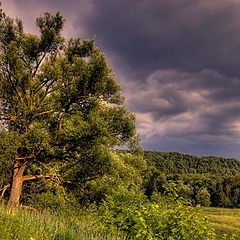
[{"x": 17, "y": 183}]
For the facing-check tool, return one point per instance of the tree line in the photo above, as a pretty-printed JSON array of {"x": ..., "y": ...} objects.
[{"x": 209, "y": 181}]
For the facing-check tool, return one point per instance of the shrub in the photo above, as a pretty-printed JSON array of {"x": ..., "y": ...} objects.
[
  {"x": 203, "y": 197},
  {"x": 161, "y": 218}
]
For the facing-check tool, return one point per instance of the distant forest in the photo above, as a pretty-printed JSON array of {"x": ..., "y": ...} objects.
[{"x": 209, "y": 181}]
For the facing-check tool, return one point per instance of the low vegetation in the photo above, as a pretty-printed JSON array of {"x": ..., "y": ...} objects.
[
  {"x": 169, "y": 217},
  {"x": 31, "y": 225},
  {"x": 224, "y": 220},
  {"x": 126, "y": 215}
]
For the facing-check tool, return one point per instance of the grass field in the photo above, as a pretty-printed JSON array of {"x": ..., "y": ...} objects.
[
  {"x": 25, "y": 225},
  {"x": 224, "y": 220}
]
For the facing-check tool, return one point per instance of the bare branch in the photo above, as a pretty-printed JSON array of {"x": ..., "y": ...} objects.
[
  {"x": 38, "y": 64},
  {"x": 34, "y": 177},
  {"x": 3, "y": 190},
  {"x": 46, "y": 112}
]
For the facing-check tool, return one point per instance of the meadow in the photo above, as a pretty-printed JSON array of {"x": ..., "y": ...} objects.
[
  {"x": 30, "y": 225},
  {"x": 224, "y": 220}
]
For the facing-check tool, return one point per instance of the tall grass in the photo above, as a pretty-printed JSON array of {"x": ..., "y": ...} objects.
[
  {"x": 28, "y": 225},
  {"x": 224, "y": 221},
  {"x": 32, "y": 225}
]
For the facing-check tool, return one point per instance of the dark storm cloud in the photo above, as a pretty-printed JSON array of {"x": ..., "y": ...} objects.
[
  {"x": 178, "y": 62},
  {"x": 184, "y": 59},
  {"x": 198, "y": 146},
  {"x": 174, "y": 114},
  {"x": 186, "y": 34}
]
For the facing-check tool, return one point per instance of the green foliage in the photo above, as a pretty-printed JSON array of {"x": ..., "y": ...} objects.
[
  {"x": 61, "y": 108},
  {"x": 8, "y": 146},
  {"x": 125, "y": 173},
  {"x": 209, "y": 181},
  {"x": 50, "y": 200},
  {"x": 203, "y": 197},
  {"x": 177, "y": 163},
  {"x": 161, "y": 218},
  {"x": 118, "y": 212}
]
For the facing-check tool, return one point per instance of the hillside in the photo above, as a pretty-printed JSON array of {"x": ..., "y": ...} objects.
[
  {"x": 177, "y": 163},
  {"x": 209, "y": 181}
]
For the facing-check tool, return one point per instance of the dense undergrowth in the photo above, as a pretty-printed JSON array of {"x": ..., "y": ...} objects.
[
  {"x": 113, "y": 207},
  {"x": 170, "y": 217},
  {"x": 126, "y": 214}
]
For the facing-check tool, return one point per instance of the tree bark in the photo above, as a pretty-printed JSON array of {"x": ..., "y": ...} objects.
[
  {"x": 17, "y": 183},
  {"x": 3, "y": 190}
]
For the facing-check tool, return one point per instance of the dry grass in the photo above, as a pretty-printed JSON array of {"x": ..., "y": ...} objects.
[{"x": 224, "y": 220}]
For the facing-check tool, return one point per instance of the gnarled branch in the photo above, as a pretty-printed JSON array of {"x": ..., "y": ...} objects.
[
  {"x": 3, "y": 190},
  {"x": 33, "y": 177}
]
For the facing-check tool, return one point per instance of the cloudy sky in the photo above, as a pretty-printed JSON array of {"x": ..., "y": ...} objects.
[{"x": 178, "y": 62}]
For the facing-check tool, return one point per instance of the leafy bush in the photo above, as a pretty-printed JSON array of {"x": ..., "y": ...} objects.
[
  {"x": 161, "y": 218},
  {"x": 203, "y": 197},
  {"x": 126, "y": 173},
  {"x": 119, "y": 211}
]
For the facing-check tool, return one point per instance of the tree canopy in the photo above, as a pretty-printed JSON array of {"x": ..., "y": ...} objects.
[{"x": 61, "y": 107}]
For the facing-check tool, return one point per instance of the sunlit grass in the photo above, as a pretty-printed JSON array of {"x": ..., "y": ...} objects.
[
  {"x": 224, "y": 220},
  {"x": 26, "y": 225},
  {"x": 31, "y": 225}
]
